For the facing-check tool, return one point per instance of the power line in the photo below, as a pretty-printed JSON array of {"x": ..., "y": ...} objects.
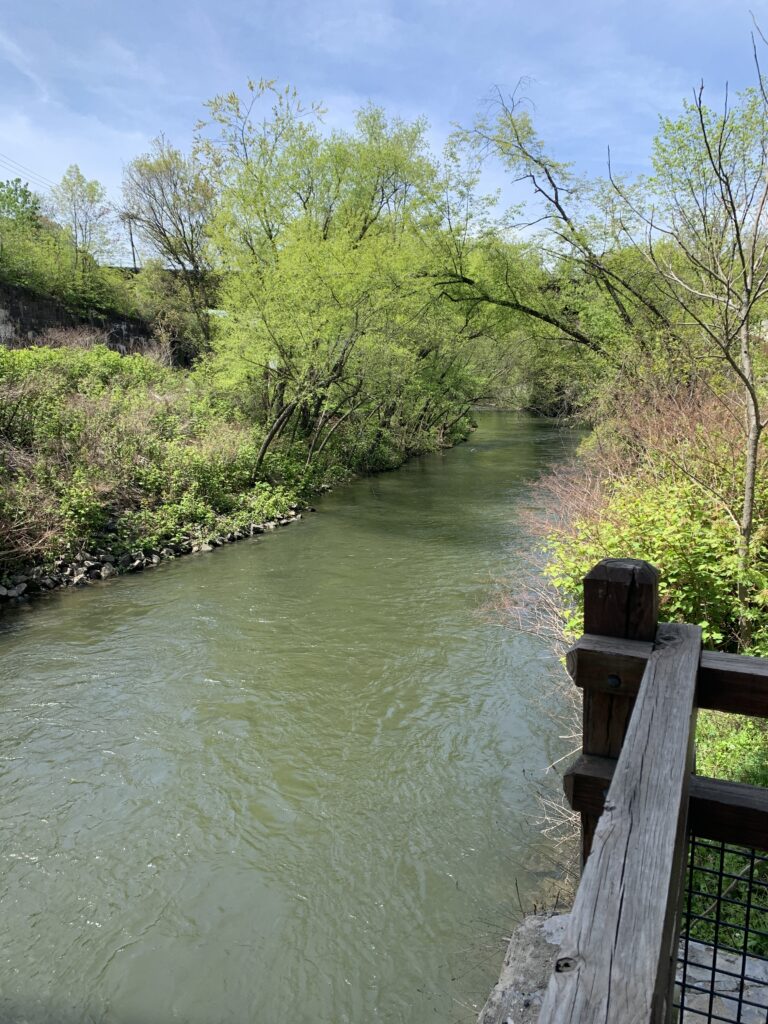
[
  {"x": 20, "y": 169},
  {"x": 27, "y": 170},
  {"x": 14, "y": 172}
]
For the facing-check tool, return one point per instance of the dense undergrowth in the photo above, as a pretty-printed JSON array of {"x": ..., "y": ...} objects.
[
  {"x": 96, "y": 445},
  {"x": 657, "y": 489}
]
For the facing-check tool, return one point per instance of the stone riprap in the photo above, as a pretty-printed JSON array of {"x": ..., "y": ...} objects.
[
  {"x": 101, "y": 563},
  {"x": 721, "y": 977},
  {"x": 528, "y": 963}
]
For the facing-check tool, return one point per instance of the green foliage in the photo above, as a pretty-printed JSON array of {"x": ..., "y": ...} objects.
[
  {"x": 732, "y": 747},
  {"x": 642, "y": 305},
  {"x": 333, "y": 332},
  {"x": 262, "y": 503},
  {"x": 168, "y": 203},
  {"x": 725, "y": 908},
  {"x": 676, "y": 527},
  {"x": 39, "y": 254},
  {"x": 162, "y": 299},
  {"x": 81, "y": 511},
  {"x": 679, "y": 527},
  {"x": 81, "y": 208},
  {"x": 17, "y": 202},
  {"x": 120, "y": 443}
]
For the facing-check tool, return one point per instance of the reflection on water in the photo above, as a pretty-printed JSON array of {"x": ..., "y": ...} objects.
[{"x": 283, "y": 782}]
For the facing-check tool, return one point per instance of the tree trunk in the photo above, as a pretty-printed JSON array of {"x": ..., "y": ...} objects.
[
  {"x": 335, "y": 427},
  {"x": 274, "y": 432},
  {"x": 752, "y": 451}
]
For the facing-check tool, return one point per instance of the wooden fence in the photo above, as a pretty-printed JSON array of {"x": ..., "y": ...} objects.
[{"x": 640, "y": 799}]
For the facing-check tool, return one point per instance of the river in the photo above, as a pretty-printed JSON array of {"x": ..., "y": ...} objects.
[{"x": 290, "y": 782}]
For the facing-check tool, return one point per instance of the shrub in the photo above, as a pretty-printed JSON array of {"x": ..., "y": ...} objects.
[
  {"x": 98, "y": 438},
  {"x": 655, "y": 512}
]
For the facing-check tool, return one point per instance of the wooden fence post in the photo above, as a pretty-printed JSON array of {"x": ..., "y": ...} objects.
[{"x": 621, "y": 600}]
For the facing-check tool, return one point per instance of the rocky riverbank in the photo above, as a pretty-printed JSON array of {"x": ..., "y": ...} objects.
[{"x": 101, "y": 563}]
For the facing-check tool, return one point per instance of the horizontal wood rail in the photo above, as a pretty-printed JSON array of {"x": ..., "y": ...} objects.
[
  {"x": 729, "y": 812},
  {"x": 727, "y": 682}
]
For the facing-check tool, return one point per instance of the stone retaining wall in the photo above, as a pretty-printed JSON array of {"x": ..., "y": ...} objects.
[
  {"x": 25, "y": 315},
  {"x": 529, "y": 961}
]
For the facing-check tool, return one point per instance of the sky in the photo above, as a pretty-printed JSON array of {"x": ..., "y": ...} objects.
[{"x": 93, "y": 81}]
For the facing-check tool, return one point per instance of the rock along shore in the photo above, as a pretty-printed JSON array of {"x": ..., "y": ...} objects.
[{"x": 101, "y": 563}]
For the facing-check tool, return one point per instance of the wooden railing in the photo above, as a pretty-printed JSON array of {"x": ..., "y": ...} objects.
[{"x": 635, "y": 787}]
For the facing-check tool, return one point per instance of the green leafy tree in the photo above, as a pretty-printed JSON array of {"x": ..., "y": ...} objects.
[
  {"x": 705, "y": 238},
  {"x": 665, "y": 276},
  {"x": 319, "y": 240},
  {"x": 18, "y": 202},
  {"x": 169, "y": 199},
  {"x": 81, "y": 207}
]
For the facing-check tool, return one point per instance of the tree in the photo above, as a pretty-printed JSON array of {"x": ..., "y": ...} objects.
[
  {"x": 331, "y": 315},
  {"x": 169, "y": 199},
  {"x": 579, "y": 287},
  {"x": 706, "y": 237},
  {"x": 17, "y": 202},
  {"x": 80, "y": 206}
]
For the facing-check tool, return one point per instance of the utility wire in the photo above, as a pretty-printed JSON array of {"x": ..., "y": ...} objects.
[
  {"x": 14, "y": 172},
  {"x": 25, "y": 169},
  {"x": 21, "y": 170}
]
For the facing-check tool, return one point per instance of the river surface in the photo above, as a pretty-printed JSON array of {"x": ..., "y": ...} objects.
[{"x": 289, "y": 782}]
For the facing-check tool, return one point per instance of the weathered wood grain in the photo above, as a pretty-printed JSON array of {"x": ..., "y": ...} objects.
[
  {"x": 733, "y": 682},
  {"x": 615, "y": 963},
  {"x": 731, "y": 812},
  {"x": 605, "y": 722},
  {"x": 608, "y": 664}
]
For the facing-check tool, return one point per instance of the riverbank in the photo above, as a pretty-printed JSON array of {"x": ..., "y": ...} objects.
[
  {"x": 96, "y": 561},
  {"x": 100, "y": 564},
  {"x": 112, "y": 464}
]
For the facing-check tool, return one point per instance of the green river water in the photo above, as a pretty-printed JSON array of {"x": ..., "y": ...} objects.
[{"x": 290, "y": 782}]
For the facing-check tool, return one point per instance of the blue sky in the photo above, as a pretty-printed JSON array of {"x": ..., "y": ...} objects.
[{"x": 92, "y": 81}]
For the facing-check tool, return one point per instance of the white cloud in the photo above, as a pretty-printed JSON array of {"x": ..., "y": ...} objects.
[
  {"x": 11, "y": 53},
  {"x": 49, "y": 146}
]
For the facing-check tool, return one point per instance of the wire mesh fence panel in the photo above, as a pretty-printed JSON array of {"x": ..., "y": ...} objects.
[{"x": 722, "y": 972}]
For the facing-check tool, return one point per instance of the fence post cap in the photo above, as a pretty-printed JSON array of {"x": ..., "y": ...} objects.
[
  {"x": 621, "y": 598},
  {"x": 624, "y": 570}
]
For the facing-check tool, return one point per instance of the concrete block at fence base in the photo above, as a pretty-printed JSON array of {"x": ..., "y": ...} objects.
[
  {"x": 533, "y": 949},
  {"x": 722, "y": 975},
  {"x": 529, "y": 961}
]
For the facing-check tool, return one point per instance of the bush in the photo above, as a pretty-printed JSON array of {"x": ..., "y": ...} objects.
[
  {"x": 654, "y": 512},
  {"x": 90, "y": 439},
  {"x": 677, "y": 528}
]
